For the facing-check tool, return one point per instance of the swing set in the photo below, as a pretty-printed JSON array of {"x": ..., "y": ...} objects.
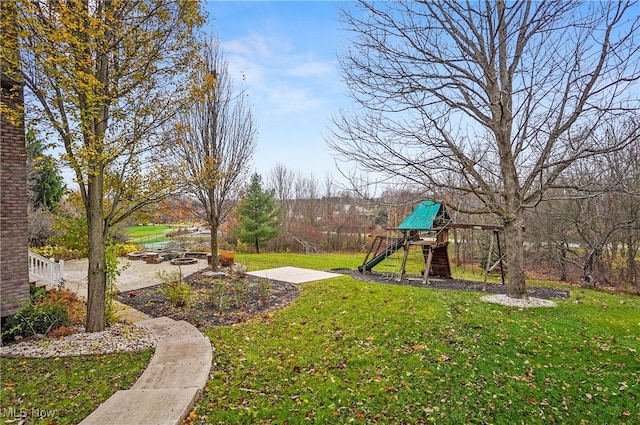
[{"x": 427, "y": 227}]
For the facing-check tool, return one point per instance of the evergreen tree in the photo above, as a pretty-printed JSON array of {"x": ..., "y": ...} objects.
[
  {"x": 258, "y": 212},
  {"x": 45, "y": 184}
]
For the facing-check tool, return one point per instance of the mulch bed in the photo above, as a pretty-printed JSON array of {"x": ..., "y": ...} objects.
[
  {"x": 455, "y": 284},
  {"x": 205, "y": 312},
  {"x": 256, "y": 299}
]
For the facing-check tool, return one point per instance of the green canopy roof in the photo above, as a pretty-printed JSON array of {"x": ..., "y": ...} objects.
[{"x": 424, "y": 216}]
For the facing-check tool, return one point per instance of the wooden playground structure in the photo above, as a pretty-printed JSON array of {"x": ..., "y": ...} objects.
[{"x": 427, "y": 228}]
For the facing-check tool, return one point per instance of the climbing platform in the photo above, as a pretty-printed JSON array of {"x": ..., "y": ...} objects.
[{"x": 426, "y": 228}]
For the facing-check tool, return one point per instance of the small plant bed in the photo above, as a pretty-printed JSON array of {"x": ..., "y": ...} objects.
[{"x": 206, "y": 301}]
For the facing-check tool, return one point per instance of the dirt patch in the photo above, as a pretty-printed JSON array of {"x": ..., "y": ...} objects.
[{"x": 455, "y": 284}]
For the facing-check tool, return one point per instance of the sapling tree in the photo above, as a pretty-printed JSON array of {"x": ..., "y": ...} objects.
[
  {"x": 215, "y": 137},
  {"x": 259, "y": 215}
]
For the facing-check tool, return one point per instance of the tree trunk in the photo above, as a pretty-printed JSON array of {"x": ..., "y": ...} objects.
[
  {"x": 588, "y": 279},
  {"x": 514, "y": 235},
  {"x": 97, "y": 276},
  {"x": 257, "y": 246},
  {"x": 562, "y": 255},
  {"x": 632, "y": 276},
  {"x": 214, "y": 244}
]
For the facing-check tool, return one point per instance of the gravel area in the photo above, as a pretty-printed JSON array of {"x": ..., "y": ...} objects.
[
  {"x": 530, "y": 302},
  {"x": 116, "y": 339}
]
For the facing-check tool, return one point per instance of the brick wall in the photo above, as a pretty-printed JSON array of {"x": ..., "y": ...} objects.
[{"x": 14, "y": 239}]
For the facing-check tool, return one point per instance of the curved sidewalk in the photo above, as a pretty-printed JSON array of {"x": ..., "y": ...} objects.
[
  {"x": 171, "y": 384},
  {"x": 167, "y": 390}
]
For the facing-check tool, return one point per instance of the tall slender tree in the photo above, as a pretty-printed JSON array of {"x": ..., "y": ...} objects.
[
  {"x": 495, "y": 99},
  {"x": 105, "y": 75},
  {"x": 215, "y": 140}
]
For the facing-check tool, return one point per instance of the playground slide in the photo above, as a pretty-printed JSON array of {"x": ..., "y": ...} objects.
[{"x": 384, "y": 254}]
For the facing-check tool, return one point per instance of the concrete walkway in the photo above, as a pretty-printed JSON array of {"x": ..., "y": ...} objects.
[
  {"x": 169, "y": 387},
  {"x": 294, "y": 275},
  {"x": 171, "y": 384}
]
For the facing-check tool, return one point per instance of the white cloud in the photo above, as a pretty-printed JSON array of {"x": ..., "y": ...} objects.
[
  {"x": 288, "y": 99},
  {"x": 278, "y": 80},
  {"x": 250, "y": 45},
  {"x": 313, "y": 69}
]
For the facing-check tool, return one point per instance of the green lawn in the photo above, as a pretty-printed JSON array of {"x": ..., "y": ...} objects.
[
  {"x": 64, "y": 390},
  {"x": 147, "y": 234},
  {"x": 356, "y": 352}
]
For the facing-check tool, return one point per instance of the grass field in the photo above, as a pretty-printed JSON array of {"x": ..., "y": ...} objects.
[
  {"x": 355, "y": 352},
  {"x": 64, "y": 390},
  {"x": 147, "y": 234}
]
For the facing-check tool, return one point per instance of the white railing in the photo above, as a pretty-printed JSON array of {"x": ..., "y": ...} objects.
[{"x": 46, "y": 270}]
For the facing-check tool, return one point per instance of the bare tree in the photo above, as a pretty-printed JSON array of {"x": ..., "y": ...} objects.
[
  {"x": 216, "y": 138},
  {"x": 280, "y": 181},
  {"x": 506, "y": 95},
  {"x": 601, "y": 221}
]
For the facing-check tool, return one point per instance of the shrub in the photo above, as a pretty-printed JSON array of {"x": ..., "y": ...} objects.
[
  {"x": 71, "y": 228},
  {"x": 242, "y": 247},
  {"x": 226, "y": 258},
  {"x": 240, "y": 290},
  {"x": 265, "y": 289},
  {"x": 177, "y": 232},
  {"x": 169, "y": 277},
  {"x": 122, "y": 249},
  {"x": 37, "y": 294},
  {"x": 178, "y": 293},
  {"x": 36, "y": 319},
  {"x": 75, "y": 307},
  {"x": 59, "y": 252},
  {"x": 61, "y": 331},
  {"x": 217, "y": 296},
  {"x": 239, "y": 270}
]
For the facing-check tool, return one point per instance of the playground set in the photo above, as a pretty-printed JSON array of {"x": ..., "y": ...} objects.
[{"x": 427, "y": 228}]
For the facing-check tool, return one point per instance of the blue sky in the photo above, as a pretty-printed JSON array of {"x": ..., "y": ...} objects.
[{"x": 284, "y": 53}]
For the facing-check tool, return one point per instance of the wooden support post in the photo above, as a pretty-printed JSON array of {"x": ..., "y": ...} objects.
[
  {"x": 473, "y": 243},
  {"x": 500, "y": 255},
  {"x": 427, "y": 264},
  {"x": 488, "y": 265},
  {"x": 407, "y": 244},
  {"x": 377, "y": 242}
]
